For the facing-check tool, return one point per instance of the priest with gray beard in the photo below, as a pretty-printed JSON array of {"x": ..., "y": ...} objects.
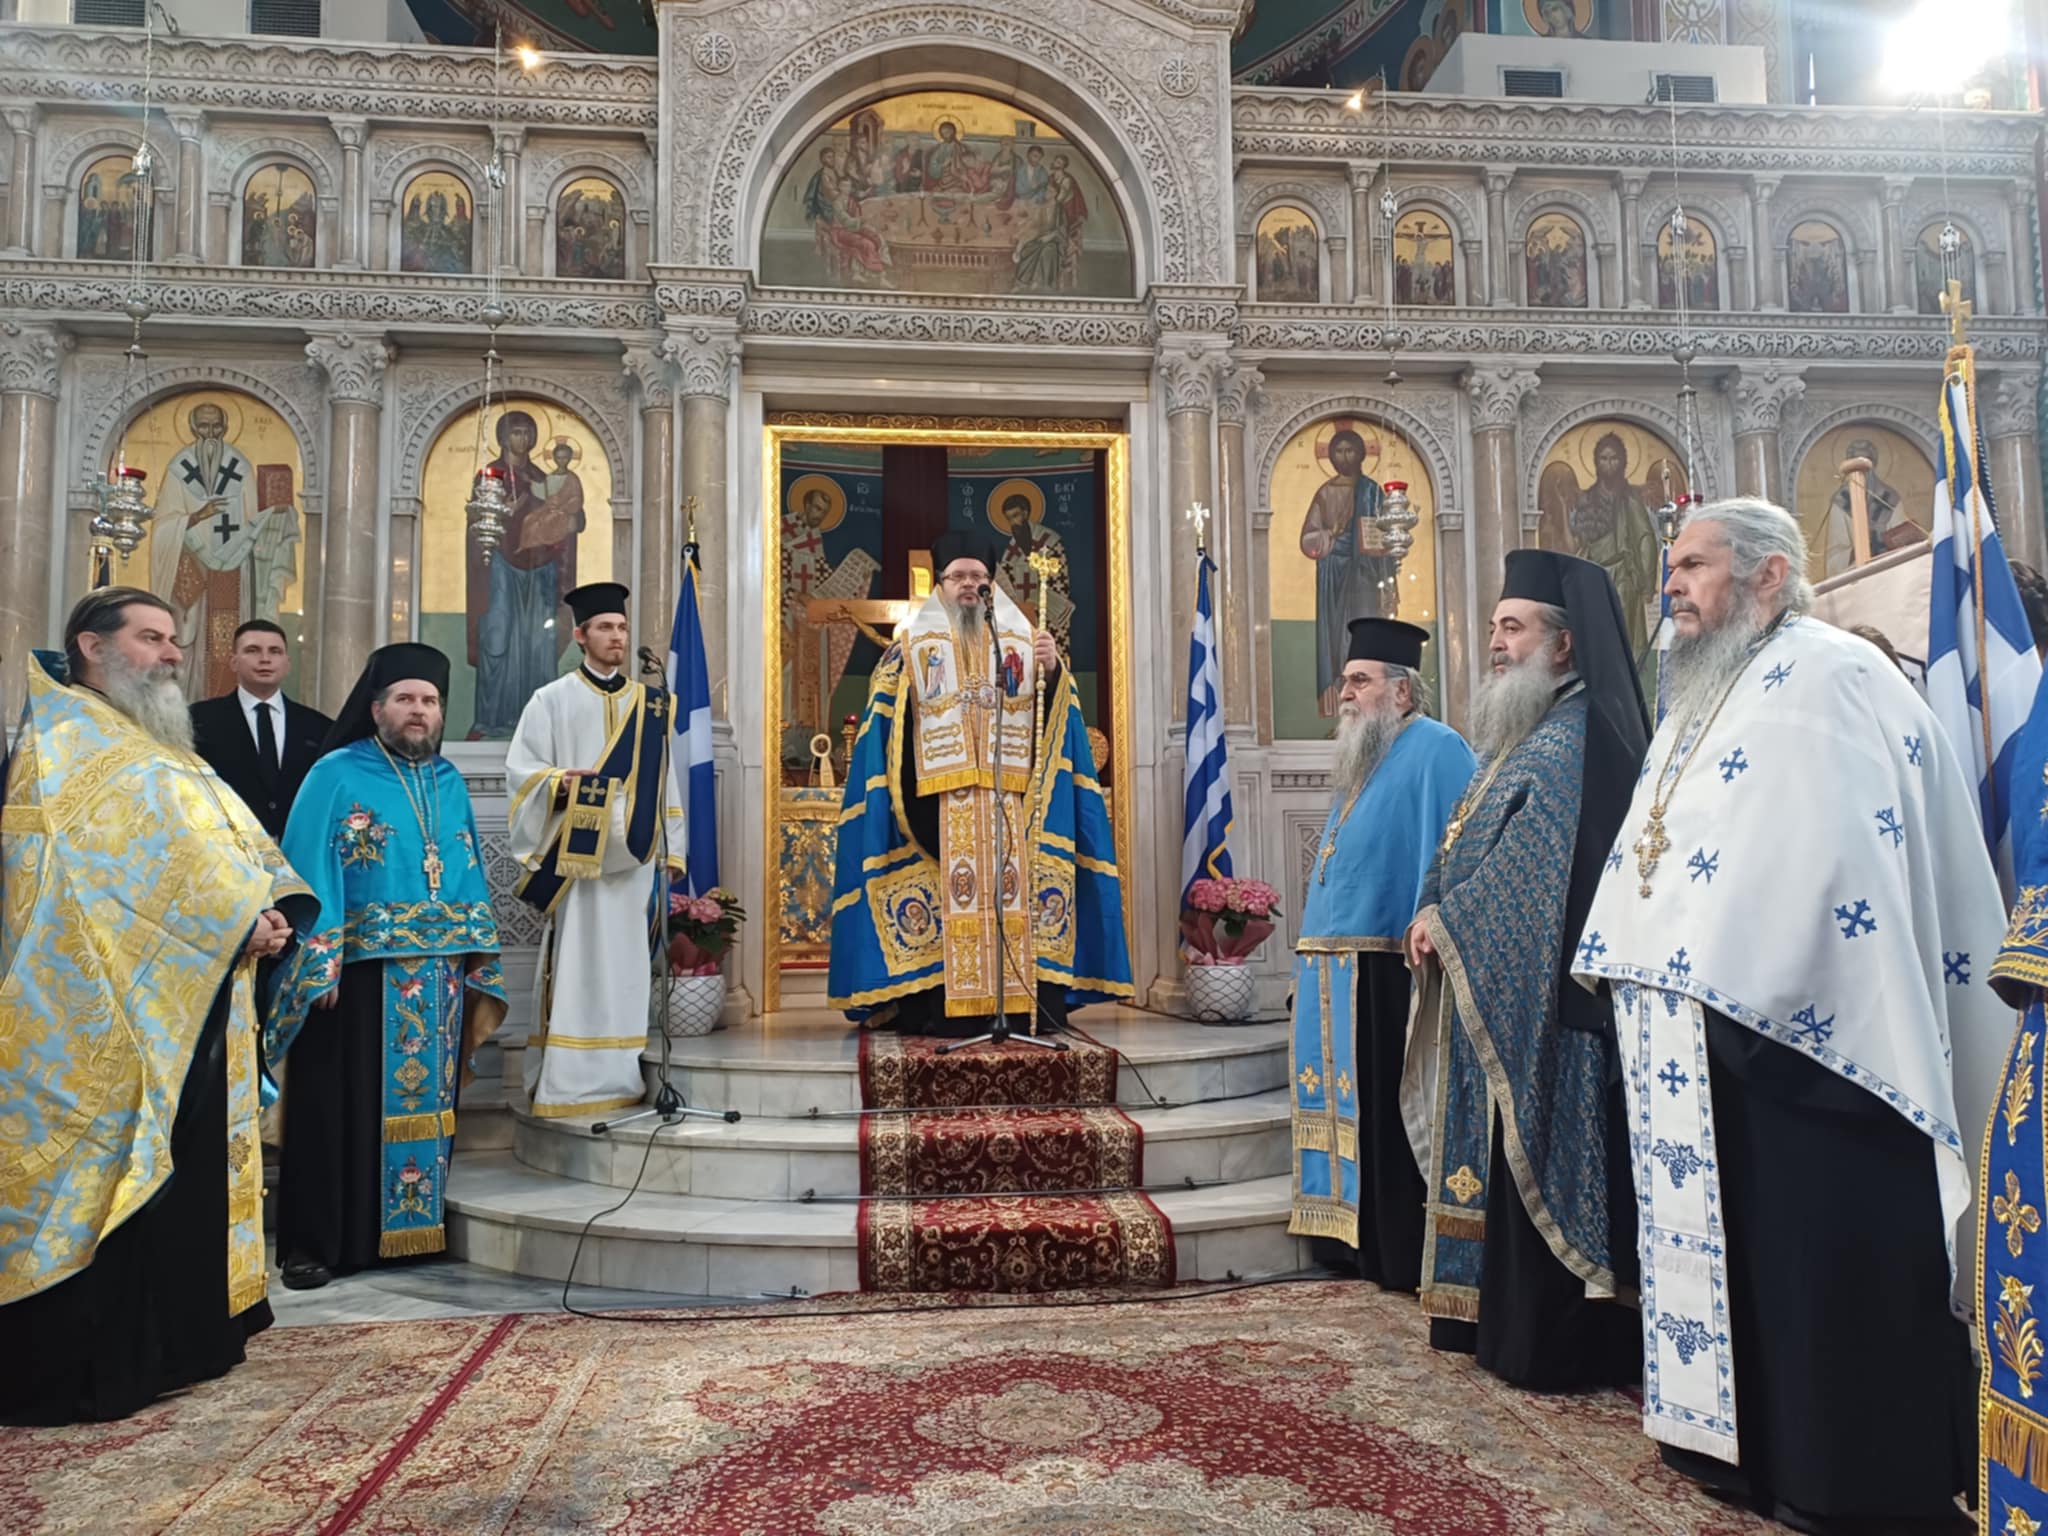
[
  {"x": 1795, "y": 931},
  {"x": 1357, "y": 1193},
  {"x": 1511, "y": 1091}
]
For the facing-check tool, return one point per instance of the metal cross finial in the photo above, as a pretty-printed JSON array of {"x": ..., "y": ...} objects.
[
  {"x": 1043, "y": 563},
  {"x": 1199, "y": 515},
  {"x": 691, "y": 507},
  {"x": 1958, "y": 309}
]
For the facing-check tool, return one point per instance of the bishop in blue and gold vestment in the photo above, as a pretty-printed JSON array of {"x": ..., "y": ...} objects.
[
  {"x": 139, "y": 893},
  {"x": 394, "y": 988},
  {"x": 1357, "y": 1192},
  {"x": 1512, "y": 1092},
  {"x": 931, "y": 893}
]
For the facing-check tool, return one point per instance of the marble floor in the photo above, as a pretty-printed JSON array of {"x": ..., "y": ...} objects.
[{"x": 444, "y": 1287}]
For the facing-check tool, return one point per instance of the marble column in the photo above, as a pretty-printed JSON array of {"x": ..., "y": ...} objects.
[
  {"x": 1457, "y": 631},
  {"x": 1475, "y": 273},
  {"x": 650, "y": 372},
  {"x": 1867, "y": 296},
  {"x": 510, "y": 232},
  {"x": 1741, "y": 281},
  {"x": 348, "y": 250},
  {"x": 1998, "y": 284},
  {"x": 30, "y": 357},
  {"x": 1364, "y": 235},
  {"x": 2011, "y": 430},
  {"x": 1187, "y": 372},
  {"x": 21, "y": 183},
  {"x": 1899, "y": 297},
  {"x": 189, "y": 222},
  {"x": 1230, "y": 542},
  {"x": 1498, "y": 292},
  {"x": 1246, "y": 245},
  {"x": 50, "y": 237},
  {"x": 1760, "y": 395},
  {"x": 1613, "y": 283},
  {"x": 2026, "y": 272},
  {"x": 1497, "y": 394},
  {"x": 1630, "y": 242},
  {"x": 1768, "y": 263},
  {"x": 354, "y": 365},
  {"x": 707, "y": 359},
  {"x": 1334, "y": 249}
]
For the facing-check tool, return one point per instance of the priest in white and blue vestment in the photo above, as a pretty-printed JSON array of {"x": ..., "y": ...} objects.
[
  {"x": 393, "y": 988},
  {"x": 1357, "y": 1192},
  {"x": 1796, "y": 928},
  {"x": 1512, "y": 1090}
]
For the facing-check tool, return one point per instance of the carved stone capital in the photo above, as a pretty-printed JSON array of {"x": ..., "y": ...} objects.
[
  {"x": 1237, "y": 394},
  {"x": 1362, "y": 174},
  {"x": 187, "y": 125},
  {"x": 1497, "y": 394},
  {"x": 652, "y": 370},
  {"x": 354, "y": 365},
  {"x": 349, "y": 131},
  {"x": 510, "y": 141},
  {"x": 1760, "y": 396},
  {"x": 705, "y": 358},
  {"x": 1498, "y": 179},
  {"x": 1189, "y": 376},
  {"x": 29, "y": 357},
  {"x": 2015, "y": 405},
  {"x": 1632, "y": 184},
  {"x": 1895, "y": 190},
  {"x": 21, "y": 119},
  {"x": 1765, "y": 187}
]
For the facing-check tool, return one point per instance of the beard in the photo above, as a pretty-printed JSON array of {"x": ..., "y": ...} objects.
[
  {"x": 1705, "y": 665},
  {"x": 150, "y": 696},
  {"x": 1511, "y": 704},
  {"x": 206, "y": 453},
  {"x": 1362, "y": 741},
  {"x": 412, "y": 750},
  {"x": 967, "y": 617}
]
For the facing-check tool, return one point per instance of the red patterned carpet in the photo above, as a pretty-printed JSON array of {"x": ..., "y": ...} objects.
[
  {"x": 1030, "y": 1135},
  {"x": 1304, "y": 1410}
]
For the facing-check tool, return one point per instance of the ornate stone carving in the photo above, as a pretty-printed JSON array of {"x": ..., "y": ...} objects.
[
  {"x": 714, "y": 53},
  {"x": 1760, "y": 396},
  {"x": 706, "y": 359},
  {"x": 1237, "y": 393},
  {"x": 350, "y": 132},
  {"x": 1189, "y": 375},
  {"x": 1550, "y": 200},
  {"x": 1790, "y": 209},
  {"x": 962, "y": 320},
  {"x": 1552, "y": 413},
  {"x": 354, "y": 366},
  {"x": 99, "y": 401},
  {"x": 1984, "y": 223},
  {"x": 231, "y": 156},
  {"x": 392, "y": 159},
  {"x": 2015, "y": 405},
  {"x": 1497, "y": 394},
  {"x": 1178, "y": 76},
  {"x": 430, "y": 397},
  {"x": 704, "y": 292},
  {"x": 1193, "y": 308},
  {"x": 1257, "y": 194},
  {"x": 651, "y": 370},
  {"x": 30, "y": 356},
  {"x": 1466, "y": 221},
  {"x": 1423, "y": 416},
  {"x": 1730, "y": 227},
  {"x": 894, "y": 421},
  {"x": 1909, "y": 420},
  {"x": 633, "y": 173}
]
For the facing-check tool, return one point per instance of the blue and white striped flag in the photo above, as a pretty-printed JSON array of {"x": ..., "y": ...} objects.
[
  {"x": 1981, "y": 667},
  {"x": 689, "y": 681},
  {"x": 1205, "y": 842}
]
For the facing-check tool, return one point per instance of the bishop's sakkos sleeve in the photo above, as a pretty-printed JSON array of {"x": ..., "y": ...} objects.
[{"x": 312, "y": 846}]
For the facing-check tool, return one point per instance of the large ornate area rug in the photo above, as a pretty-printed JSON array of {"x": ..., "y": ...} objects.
[
  {"x": 1298, "y": 1410},
  {"x": 1001, "y": 1169}
]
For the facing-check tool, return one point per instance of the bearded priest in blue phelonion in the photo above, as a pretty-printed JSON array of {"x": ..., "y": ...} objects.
[
  {"x": 389, "y": 995},
  {"x": 940, "y": 853},
  {"x": 1358, "y": 1194}
]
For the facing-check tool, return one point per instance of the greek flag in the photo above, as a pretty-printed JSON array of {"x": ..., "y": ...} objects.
[
  {"x": 1204, "y": 848},
  {"x": 1981, "y": 666},
  {"x": 691, "y": 685}
]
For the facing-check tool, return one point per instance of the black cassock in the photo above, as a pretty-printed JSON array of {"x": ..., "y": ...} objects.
[
  {"x": 1855, "y": 1394},
  {"x": 149, "y": 1315},
  {"x": 1390, "y": 1194}
]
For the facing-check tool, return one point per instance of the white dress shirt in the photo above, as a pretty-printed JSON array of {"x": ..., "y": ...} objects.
[{"x": 275, "y": 704}]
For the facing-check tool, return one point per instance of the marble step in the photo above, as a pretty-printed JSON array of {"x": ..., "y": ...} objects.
[
  {"x": 778, "y": 1159},
  {"x": 507, "y": 1216}
]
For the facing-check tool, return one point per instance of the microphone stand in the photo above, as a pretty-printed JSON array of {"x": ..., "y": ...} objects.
[
  {"x": 999, "y": 1031},
  {"x": 669, "y": 1105}
]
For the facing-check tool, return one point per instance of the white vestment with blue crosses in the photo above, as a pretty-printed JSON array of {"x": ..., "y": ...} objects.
[{"x": 1826, "y": 885}]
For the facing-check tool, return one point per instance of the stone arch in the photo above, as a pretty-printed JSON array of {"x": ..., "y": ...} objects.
[
  {"x": 434, "y": 415},
  {"x": 96, "y": 442},
  {"x": 393, "y": 171},
  {"x": 324, "y": 229},
  {"x": 1323, "y": 204},
  {"x": 1658, "y": 419},
  {"x": 1986, "y": 227},
  {"x": 1854, "y": 226},
  {"x": 574, "y": 168},
  {"x": 1281, "y": 432},
  {"x": 1720, "y": 222},
  {"x": 251, "y": 155},
  {"x": 1447, "y": 203},
  {"x": 1921, "y": 217},
  {"x": 79, "y": 151},
  {"x": 1909, "y": 424},
  {"x": 559, "y": 170},
  {"x": 1006, "y": 54},
  {"x": 1318, "y": 221},
  {"x": 483, "y": 228},
  {"x": 1590, "y": 215}
]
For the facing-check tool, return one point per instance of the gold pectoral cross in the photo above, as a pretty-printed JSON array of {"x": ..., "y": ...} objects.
[
  {"x": 431, "y": 866},
  {"x": 1323, "y": 867},
  {"x": 1651, "y": 847}
]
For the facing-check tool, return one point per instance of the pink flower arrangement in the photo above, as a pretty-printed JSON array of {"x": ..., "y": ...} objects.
[
  {"x": 700, "y": 930},
  {"x": 1226, "y": 920}
]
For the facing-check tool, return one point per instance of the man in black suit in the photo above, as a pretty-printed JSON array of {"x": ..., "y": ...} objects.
[{"x": 257, "y": 740}]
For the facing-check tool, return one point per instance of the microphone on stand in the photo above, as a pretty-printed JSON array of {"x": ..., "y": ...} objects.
[{"x": 652, "y": 665}]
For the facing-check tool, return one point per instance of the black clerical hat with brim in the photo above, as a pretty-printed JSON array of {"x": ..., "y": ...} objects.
[
  {"x": 596, "y": 597},
  {"x": 407, "y": 661},
  {"x": 1393, "y": 641},
  {"x": 1538, "y": 575},
  {"x": 957, "y": 544}
]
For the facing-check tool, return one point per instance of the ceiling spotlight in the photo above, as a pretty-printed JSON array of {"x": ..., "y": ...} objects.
[
  {"x": 1355, "y": 102},
  {"x": 529, "y": 56}
]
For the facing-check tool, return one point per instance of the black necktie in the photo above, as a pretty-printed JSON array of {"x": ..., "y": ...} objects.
[{"x": 266, "y": 739}]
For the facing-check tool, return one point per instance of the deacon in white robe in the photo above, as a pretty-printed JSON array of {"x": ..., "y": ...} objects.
[
  {"x": 1796, "y": 928},
  {"x": 595, "y": 811}
]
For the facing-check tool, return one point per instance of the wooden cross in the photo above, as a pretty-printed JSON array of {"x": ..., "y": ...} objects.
[{"x": 1958, "y": 309}]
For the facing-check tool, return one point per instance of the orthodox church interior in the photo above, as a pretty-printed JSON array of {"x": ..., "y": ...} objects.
[{"x": 804, "y": 285}]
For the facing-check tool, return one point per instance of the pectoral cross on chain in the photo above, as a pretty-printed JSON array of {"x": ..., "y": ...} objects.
[
  {"x": 1651, "y": 847},
  {"x": 431, "y": 866}
]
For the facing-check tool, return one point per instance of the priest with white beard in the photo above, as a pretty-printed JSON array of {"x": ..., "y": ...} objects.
[
  {"x": 1511, "y": 1091},
  {"x": 595, "y": 810},
  {"x": 1796, "y": 929},
  {"x": 1357, "y": 1193}
]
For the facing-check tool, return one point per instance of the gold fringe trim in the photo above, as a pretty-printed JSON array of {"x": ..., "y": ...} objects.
[
  {"x": 244, "y": 1294},
  {"x": 419, "y": 1127},
  {"x": 561, "y": 1111},
  {"x": 411, "y": 1242},
  {"x": 1470, "y": 1228},
  {"x": 2017, "y": 1441},
  {"x": 1345, "y": 944},
  {"x": 1459, "y": 1305},
  {"x": 889, "y": 993},
  {"x": 1324, "y": 1221}
]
